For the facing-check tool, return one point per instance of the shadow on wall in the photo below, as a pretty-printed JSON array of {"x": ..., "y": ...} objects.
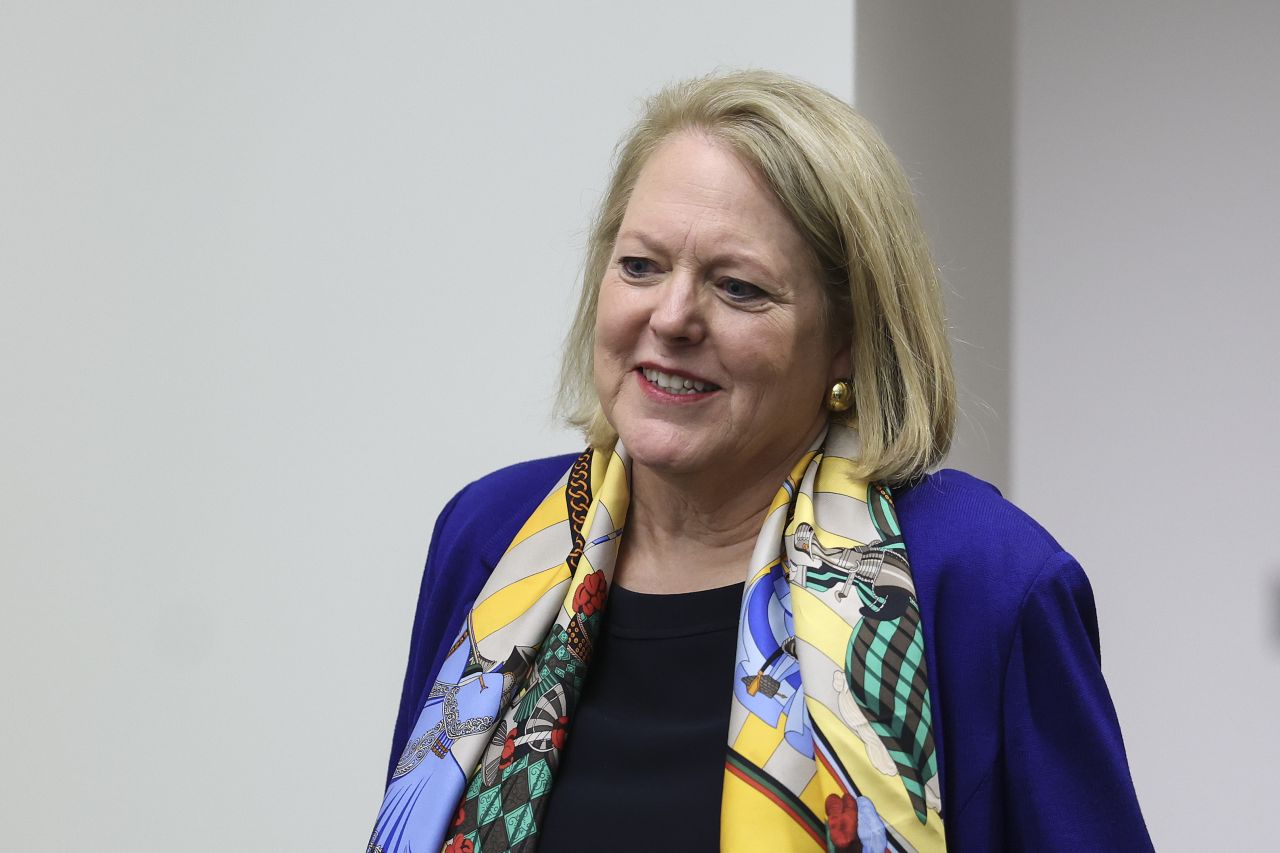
[
  {"x": 937, "y": 80},
  {"x": 1275, "y": 607}
]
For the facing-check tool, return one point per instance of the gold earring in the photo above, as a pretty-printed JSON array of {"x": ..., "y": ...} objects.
[{"x": 840, "y": 398}]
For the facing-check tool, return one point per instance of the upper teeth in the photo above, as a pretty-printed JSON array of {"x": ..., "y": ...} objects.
[{"x": 676, "y": 384}]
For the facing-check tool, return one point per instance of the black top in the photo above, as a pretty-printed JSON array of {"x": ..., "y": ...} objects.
[{"x": 643, "y": 769}]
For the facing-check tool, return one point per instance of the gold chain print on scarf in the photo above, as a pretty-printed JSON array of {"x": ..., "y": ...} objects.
[{"x": 830, "y": 745}]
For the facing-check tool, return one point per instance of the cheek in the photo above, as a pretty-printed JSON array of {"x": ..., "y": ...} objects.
[
  {"x": 616, "y": 323},
  {"x": 786, "y": 366},
  {"x": 605, "y": 312},
  {"x": 610, "y": 344},
  {"x": 766, "y": 354}
]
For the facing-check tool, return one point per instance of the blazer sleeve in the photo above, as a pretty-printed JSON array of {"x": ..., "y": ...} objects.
[{"x": 1067, "y": 778}]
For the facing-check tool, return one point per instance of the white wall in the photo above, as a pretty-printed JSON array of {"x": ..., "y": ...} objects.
[
  {"x": 276, "y": 280},
  {"x": 1145, "y": 402}
]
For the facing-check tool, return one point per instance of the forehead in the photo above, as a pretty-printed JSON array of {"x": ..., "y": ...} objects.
[{"x": 697, "y": 190}]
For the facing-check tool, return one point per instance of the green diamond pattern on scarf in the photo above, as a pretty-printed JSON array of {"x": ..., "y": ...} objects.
[
  {"x": 519, "y": 823},
  {"x": 490, "y": 806},
  {"x": 539, "y": 774}
]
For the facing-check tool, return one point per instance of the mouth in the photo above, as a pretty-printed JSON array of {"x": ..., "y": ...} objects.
[{"x": 676, "y": 384}]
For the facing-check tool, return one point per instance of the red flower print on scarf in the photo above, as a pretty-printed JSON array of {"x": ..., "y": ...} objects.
[
  {"x": 842, "y": 820},
  {"x": 560, "y": 732},
  {"x": 461, "y": 816},
  {"x": 589, "y": 598},
  {"x": 508, "y": 749},
  {"x": 458, "y": 844}
]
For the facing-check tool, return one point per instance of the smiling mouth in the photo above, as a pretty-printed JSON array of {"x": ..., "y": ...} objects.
[{"x": 673, "y": 384}]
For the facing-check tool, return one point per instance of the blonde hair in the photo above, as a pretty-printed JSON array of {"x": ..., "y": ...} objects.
[{"x": 850, "y": 200}]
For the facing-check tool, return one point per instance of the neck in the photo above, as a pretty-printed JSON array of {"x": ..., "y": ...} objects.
[{"x": 687, "y": 532}]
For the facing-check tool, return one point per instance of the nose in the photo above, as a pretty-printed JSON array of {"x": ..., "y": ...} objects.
[{"x": 677, "y": 315}]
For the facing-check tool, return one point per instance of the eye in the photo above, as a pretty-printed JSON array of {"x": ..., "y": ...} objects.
[
  {"x": 636, "y": 267},
  {"x": 741, "y": 291}
]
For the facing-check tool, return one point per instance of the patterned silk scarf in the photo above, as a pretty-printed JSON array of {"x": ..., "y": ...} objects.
[{"x": 830, "y": 744}]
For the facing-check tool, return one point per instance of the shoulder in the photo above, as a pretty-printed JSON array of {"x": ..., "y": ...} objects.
[
  {"x": 1012, "y": 645},
  {"x": 470, "y": 536},
  {"x": 514, "y": 484},
  {"x": 471, "y": 533},
  {"x": 486, "y": 513},
  {"x": 970, "y": 546},
  {"x": 954, "y": 514}
]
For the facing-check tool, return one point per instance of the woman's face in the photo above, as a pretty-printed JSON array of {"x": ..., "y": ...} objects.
[{"x": 711, "y": 353}]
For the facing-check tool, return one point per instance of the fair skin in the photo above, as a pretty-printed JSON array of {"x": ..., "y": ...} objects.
[{"x": 709, "y": 282}]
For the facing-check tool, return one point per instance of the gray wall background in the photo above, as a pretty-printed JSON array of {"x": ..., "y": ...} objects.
[{"x": 276, "y": 280}]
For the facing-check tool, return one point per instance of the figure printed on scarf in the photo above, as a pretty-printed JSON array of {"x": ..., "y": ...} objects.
[
  {"x": 869, "y": 649},
  {"x": 885, "y": 649}
]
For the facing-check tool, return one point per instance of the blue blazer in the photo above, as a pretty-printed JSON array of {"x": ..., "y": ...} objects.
[{"x": 1029, "y": 747}]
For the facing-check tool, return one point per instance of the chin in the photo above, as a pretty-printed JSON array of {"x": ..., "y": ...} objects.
[{"x": 662, "y": 448}]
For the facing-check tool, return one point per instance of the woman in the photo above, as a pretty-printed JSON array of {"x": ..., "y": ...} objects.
[{"x": 747, "y": 618}]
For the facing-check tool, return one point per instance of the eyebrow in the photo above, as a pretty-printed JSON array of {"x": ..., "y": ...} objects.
[{"x": 730, "y": 258}]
